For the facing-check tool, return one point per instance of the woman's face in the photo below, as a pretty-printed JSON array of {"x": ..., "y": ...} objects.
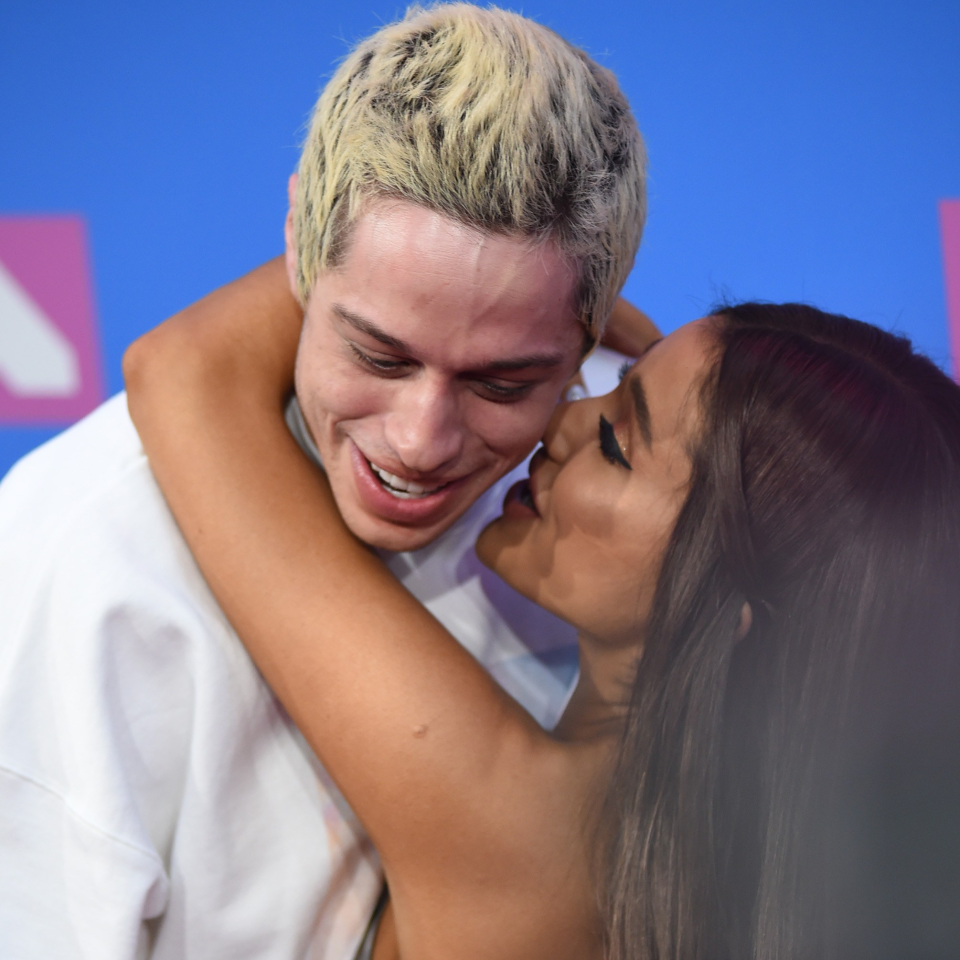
[{"x": 585, "y": 537}]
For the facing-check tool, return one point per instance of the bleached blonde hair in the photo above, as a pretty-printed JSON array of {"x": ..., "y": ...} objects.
[{"x": 491, "y": 119}]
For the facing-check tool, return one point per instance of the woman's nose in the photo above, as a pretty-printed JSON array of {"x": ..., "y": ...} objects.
[{"x": 571, "y": 425}]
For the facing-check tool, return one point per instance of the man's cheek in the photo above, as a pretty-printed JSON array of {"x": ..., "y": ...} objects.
[
  {"x": 524, "y": 430},
  {"x": 345, "y": 400},
  {"x": 514, "y": 446}
]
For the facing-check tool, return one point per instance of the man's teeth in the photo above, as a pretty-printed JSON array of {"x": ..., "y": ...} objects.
[{"x": 403, "y": 489}]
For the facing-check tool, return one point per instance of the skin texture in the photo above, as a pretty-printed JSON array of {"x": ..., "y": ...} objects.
[
  {"x": 449, "y": 401},
  {"x": 486, "y": 838}
]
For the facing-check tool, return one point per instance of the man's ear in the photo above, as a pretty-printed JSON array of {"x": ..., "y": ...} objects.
[{"x": 290, "y": 256}]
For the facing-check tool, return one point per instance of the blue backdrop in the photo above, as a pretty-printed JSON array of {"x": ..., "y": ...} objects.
[{"x": 797, "y": 150}]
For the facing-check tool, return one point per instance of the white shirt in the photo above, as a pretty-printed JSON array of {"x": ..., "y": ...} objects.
[{"x": 155, "y": 799}]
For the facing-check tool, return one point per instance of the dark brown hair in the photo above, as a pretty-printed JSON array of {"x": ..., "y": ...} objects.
[{"x": 825, "y": 493}]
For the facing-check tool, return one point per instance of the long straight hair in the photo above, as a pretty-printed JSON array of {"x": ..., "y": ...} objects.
[{"x": 825, "y": 493}]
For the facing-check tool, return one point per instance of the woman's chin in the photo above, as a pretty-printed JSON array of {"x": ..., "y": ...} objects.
[{"x": 486, "y": 546}]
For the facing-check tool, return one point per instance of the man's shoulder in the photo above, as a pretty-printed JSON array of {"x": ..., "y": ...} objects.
[
  {"x": 94, "y": 455},
  {"x": 96, "y": 578},
  {"x": 85, "y": 509}
]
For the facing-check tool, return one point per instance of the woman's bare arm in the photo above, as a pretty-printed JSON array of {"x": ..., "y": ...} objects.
[{"x": 412, "y": 729}]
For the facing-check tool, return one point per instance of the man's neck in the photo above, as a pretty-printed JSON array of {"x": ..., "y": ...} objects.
[{"x": 297, "y": 423}]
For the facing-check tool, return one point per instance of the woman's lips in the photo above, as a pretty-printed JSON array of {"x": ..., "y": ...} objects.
[
  {"x": 519, "y": 503},
  {"x": 411, "y": 510},
  {"x": 520, "y": 500}
]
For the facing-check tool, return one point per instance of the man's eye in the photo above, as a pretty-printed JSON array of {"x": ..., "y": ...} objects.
[
  {"x": 609, "y": 446},
  {"x": 502, "y": 393},
  {"x": 375, "y": 363}
]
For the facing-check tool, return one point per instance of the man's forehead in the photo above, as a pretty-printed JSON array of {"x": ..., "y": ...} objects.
[
  {"x": 421, "y": 284},
  {"x": 411, "y": 242}
]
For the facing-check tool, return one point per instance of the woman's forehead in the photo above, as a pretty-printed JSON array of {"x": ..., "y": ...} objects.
[{"x": 671, "y": 370}]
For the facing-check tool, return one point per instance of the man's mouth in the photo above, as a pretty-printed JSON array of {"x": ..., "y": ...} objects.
[{"x": 403, "y": 489}]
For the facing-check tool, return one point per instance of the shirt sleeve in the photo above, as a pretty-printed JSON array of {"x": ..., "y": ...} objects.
[
  {"x": 68, "y": 890},
  {"x": 96, "y": 716}
]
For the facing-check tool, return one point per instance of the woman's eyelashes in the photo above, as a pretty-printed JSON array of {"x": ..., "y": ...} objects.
[
  {"x": 609, "y": 446},
  {"x": 624, "y": 369}
]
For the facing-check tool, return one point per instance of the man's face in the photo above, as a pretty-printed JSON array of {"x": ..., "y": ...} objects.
[{"x": 430, "y": 362}]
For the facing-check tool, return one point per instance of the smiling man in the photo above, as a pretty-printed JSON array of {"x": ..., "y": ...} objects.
[
  {"x": 429, "y": 362},
  {"x": 467, "y": 206},
  {"x": 464, "y": 216}
]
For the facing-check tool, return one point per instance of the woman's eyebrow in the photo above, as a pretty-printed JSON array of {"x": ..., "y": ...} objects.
[
  {"x": 639, "y": 396},
  {"x": 641, "y": 409}
]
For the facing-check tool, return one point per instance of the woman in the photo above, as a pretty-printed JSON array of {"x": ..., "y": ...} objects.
[{"x": 757, "y": 538}]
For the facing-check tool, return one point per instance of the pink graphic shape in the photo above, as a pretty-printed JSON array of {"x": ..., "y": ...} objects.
[
  {"x": 950, "y": 231},
  {"x": 47, "y": 256}
]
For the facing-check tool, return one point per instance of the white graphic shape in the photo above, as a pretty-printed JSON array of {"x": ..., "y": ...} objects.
[{"x": 36, "y": 359}]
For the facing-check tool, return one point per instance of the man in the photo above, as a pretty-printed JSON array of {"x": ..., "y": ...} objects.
[{"x": 469, "y": 201}]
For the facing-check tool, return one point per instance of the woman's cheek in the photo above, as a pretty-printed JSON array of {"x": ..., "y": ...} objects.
[{"x": 590, "y": 506}]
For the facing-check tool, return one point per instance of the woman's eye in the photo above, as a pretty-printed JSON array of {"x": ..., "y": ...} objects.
[
  {"x": 375, "y": 363},
  {"x": 609, "y": 446}
]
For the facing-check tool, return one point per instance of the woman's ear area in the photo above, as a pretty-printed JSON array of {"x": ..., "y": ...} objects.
[
  {"x": 290, "y": 240},
  {"x": 746, "y": 620}
]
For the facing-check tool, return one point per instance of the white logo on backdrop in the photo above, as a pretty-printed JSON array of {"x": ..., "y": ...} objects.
[{"x": 36, "y": 359}]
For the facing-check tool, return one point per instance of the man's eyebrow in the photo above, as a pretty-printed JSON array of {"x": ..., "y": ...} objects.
[
  {"x": 363, "y": 325},
  {"x": 641, "y": 409},
  {"x": 539, "y": 360}
]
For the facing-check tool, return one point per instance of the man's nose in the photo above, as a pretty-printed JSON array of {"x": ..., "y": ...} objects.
[{"x": 424, "y": 427}]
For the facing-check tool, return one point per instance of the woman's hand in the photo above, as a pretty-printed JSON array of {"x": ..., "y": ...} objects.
[{"x": 629, "y": 330}]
